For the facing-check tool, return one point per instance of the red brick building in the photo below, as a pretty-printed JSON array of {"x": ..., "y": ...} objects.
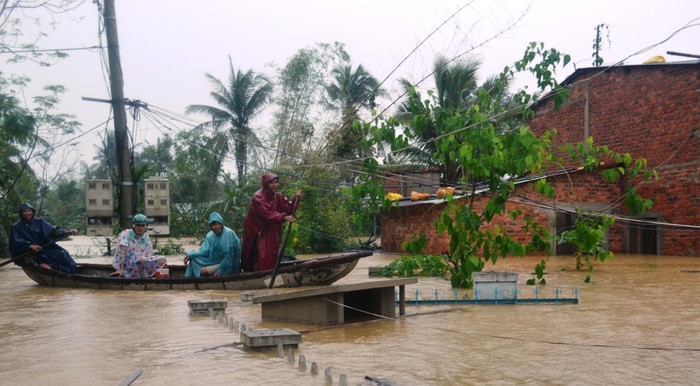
[{"x": 651, "y": 111}]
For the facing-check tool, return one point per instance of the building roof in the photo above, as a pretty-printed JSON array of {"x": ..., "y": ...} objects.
[
  {"x": 585, "y": 70},
  {"x": 481, "y": 188}
]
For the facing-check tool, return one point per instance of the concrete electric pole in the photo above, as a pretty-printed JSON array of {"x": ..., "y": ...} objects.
[{"x": 121, "y": 135}]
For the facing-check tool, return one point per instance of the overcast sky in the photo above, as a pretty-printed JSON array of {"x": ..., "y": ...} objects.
[{"x": 168, "y": 45}]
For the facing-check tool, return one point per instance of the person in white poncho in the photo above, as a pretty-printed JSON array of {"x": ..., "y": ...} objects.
[{"x": 134, "y": 256}]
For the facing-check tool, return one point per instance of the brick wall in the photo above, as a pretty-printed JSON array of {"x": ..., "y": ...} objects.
[
  {"x": 577, "y": 190},
  {"x": 649, "y": 111}
]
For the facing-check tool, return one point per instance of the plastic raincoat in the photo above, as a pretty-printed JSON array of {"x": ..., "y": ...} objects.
[
  {"x": 262, "y": 229},
  {"x": 223, "y": 250},
  {"x": 39, "y": 232},
  {"x": 135, "y": 256}
]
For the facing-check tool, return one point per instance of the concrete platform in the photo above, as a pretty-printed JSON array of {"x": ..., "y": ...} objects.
[
  {"x": 248, "y": 296},
  {"x": 270, "y": 337},
  {"x": 495, "y": 285},
  {"x": 203, "y": 307},
  {"x": 336, "y": 304}
]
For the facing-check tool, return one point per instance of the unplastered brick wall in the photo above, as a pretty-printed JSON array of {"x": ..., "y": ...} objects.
[
  {"x": 676, "y": 196},
  {"x": 648, "y": 111},
  {"x": 651, "y": 112},
  {"x": 572, "y": 192}
]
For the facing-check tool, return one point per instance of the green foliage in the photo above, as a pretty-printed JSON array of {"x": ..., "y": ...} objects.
[
  {"x": 351, "y": 90},
  {"x": 67, "y": 205},
  {"x": 323, "y": 222},
  {"x": 365, "y": 201},
  {"x": 589, "y": 238},
  {"x": 299, "y": 92},
  {"x": 415, "y": 245},
  {"x": 21, "y": 138},
  {"x": 541, "y": 63},
  {"x": 488, "y": 159},
  {"x": 16, "y": 132},
  {"x": 238, "y": 102},
  {"x": 539, "y": 274},
  {"x": 171, "y": 247},
  {"x": 597, "y": 43},
  {"x": 158, "y": 157},
  {"x": 23, "y": 47},
  {"x": 406, "y": 266}
]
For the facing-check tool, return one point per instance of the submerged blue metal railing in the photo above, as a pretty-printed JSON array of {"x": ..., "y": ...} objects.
[{"x": 513, "y": 298}]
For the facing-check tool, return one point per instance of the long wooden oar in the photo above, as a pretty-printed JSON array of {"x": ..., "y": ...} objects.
[
  {"x": 4, "y": 263},
  {"x": 284, "y": 244},
  {"x": 131, "y": 378}
]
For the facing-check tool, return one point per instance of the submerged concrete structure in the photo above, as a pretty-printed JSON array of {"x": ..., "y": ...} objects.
[{"x": 336, "y": 304}]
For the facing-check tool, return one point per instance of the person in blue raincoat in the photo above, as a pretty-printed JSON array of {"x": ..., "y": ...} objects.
[
  {"x": 38, "y": 236},
  {"x": 219, "y": 254}
]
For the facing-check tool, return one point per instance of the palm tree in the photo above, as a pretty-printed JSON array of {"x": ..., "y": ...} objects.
[
  {"x": 456, "y": 90},
  {"x": 455, "y": 82},
  {"x": 245, "y": 95},
  {"x": 105, "y": 159},
  {"x": 349, "y": 92}
]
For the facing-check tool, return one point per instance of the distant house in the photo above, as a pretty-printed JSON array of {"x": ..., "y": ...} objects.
[{"x": 651, "y": 111}]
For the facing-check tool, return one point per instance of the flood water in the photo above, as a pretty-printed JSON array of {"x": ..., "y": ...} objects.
[{"x": 636, "y": 323}]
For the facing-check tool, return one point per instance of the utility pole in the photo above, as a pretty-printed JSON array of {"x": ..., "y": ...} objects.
[
  {"x": 596, "y": 47},
  {"x": 121, "y": 135}
]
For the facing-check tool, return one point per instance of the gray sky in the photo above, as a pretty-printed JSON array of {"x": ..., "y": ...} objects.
[{"x": 168, "y": 45}]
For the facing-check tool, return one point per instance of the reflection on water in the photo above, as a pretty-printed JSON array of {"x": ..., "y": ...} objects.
[{"x": 636, "y": 323}]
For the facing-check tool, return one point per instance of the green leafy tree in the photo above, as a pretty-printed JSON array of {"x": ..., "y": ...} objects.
[
  {"x": 158, "y": 157},
  {"x": 365, "y": 201},
  {"x": 16, "y": 132},
  {"x": 53, "y": 158},
  {"x": 423, "y": 121},
  {"x": 33, "y": 153},
  {"x": 589, "y": 233},
  {"x": 15, "y": 14},
  {"x": 195, "y": 187},
  {"x": 239, "y": 101},
  {"x": 300, "y": 99},
  {"x": 19, "y": 133},
  {"x": 323, "y": 224},
  {"x": 491, "y": 159},
  {"x": 68, "y": 204}
]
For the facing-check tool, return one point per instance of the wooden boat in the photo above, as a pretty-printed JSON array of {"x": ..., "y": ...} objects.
[{"x": 295, "y": 273}]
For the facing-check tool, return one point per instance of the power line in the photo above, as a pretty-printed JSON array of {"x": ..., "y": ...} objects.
[{"x": 10, "y": 51}]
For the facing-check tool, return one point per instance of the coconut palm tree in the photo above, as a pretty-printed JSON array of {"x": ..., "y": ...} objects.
[
  {"x": 456, "y": 90},
  {"x": 245, "y": 95},
  {"x": 455, "y": 82},
  {"x": 349, "y": 92}
]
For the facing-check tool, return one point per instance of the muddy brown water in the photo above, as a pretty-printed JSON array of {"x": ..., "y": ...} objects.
[{"x": 637, "y": 323}]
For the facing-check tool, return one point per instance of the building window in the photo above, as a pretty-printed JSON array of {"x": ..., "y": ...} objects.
[
  {"x": 106, "y": 186},
  {"x": 163, "y": 202},
  {"x": 92, "y": 202},
  {"x": 163, "y": 185},
  {"x": 105, "y": 201},
  {"x": 92, "y": 186},
  {"x": 149, "y": 186},
  {"x": 644, "y": 237},
  {"x": 150, "y": 202}
]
